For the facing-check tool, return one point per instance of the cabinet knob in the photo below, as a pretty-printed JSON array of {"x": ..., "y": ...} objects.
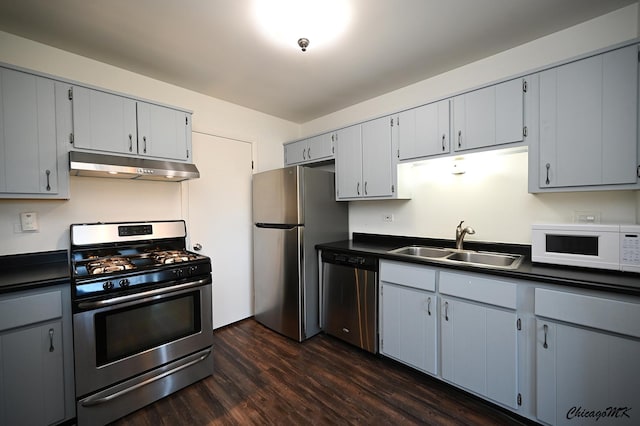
[
  {"x": 443, "y": 136},
  {"x": 546, "y": 329},
  {"x": 459, "y": 138},
  {"x": 144, "y": 139},
  {"x": 446, "y": 311},
  {"x": 48, "y": 173},
  {"x": 429, "y": 306},
  {"x": 197, "y": 246},
  {"x": 130, "y": 143}
]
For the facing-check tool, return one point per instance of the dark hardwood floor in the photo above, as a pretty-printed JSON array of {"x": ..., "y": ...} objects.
[{"x": 262, "y": 378}]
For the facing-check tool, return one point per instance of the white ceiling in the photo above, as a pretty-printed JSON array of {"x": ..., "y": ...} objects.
[{"x": 214, "y": 46}]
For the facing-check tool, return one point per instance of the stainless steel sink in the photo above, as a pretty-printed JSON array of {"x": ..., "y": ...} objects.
[
  {"x": 462, "y": 257},
  {"x": 422, "y": 251},
  {"x": 495, "y": 260}
]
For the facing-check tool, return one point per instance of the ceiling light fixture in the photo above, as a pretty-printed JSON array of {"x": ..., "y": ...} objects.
[{"x": 308, "y": 21}]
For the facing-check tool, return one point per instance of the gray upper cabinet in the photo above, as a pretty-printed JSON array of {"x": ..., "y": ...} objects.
[
  {"x": 489, "y": 116},
  {"x": 423, "y": 131},
  {"x": 29, "y": 148},
  {"x": 103, "y": 121},
  {"x": 311, "y": 150},
  {"x": 163, "y": 132},
  {"x": 120, "y": 125},
  {"x": 588, "y": 122}
]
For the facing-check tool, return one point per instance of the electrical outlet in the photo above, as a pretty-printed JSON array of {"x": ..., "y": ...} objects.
[
  {"x": 586, "y": 217},
  {"x": 29, "y": 221},
  {"x": 387, "y": 217}
]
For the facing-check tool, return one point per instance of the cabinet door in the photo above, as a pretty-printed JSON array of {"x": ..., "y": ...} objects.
[
  {"x": 408, "y": 329},
  {"x": 474, "y": 119},
  {"x": 31, "y": 376},
  {"x": 479, "y": 349},
  {"x": 104, "y": 122},
  {"x": 377, "y": 159},
  {"x": 28, "y": 150},
  {"x": 162, "y": 132},
  {"x": 509, "y": 112},
  {"x": 588, "y": 119},
  {"x": 349, "y": 163},
  {"x": 320, "y": 147},
  {"x": 294, "y": 152},
  {"x": 423, "y": 131},
  {"x": 582, "y": 369}
]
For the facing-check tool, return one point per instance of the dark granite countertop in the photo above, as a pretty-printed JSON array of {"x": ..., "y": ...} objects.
[
  {"x": 32, "y": 270},
  {"x": 595, "y": 279}
]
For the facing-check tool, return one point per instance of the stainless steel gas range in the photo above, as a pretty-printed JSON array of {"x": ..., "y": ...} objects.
[{"x": 142, "y": 316}]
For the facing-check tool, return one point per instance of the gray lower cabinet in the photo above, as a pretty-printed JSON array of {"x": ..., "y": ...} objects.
[
  {"x": 36, "y": 365},
  {"x": 408, "y": 315},
  {"x": 479, "y": 336},
  {"x": 587, "y": 353},
  {"x": 31, "y": 159},
  {"x": 588, "y": 115}
]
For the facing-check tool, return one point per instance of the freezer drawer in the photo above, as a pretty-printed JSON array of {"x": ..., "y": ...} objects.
[{"x": 350, "y": 299}]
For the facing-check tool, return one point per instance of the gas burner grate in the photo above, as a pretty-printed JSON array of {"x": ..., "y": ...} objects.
[
  {"x": 107, "y": 265},
  {"x": 173, "y": 256}
]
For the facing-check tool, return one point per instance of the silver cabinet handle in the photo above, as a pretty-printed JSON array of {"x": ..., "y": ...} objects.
[
  {"x": 429, "y": 306},
  {"x": 309, "y": 153},
  {"x": 130, "y": 143},
  {"x": 358, "y": 188},
  {"x": 365, "y": 188},
  {"x": 51, "y": 349},
  {"x": 48, "y": 173},
  {"x": 197, "y": 246},
  {"x": 144, "y": 138},
  {"x": 546, "y": 329},
  {"x": 548, "y": 166},
  {"x": 459, "y": 138},
  {"x": 443, "y": 135},
  {"x": 446, "y": 311},
  {"x": 304, "y": 154}
]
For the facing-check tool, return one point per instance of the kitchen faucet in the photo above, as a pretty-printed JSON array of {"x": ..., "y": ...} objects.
[{"x": 460, "y": 233}]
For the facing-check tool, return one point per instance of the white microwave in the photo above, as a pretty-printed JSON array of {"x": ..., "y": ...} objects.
[{"x": 600, "y": 246}]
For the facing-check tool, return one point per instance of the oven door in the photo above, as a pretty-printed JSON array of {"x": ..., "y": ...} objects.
[{"x": 121, "y": 337}]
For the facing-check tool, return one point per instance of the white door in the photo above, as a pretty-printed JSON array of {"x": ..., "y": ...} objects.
[{"x": 219, "y": 219}]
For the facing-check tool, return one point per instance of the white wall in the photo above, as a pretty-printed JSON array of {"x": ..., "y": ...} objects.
[
  {"x": 94, "y": 199},
  {"x": 492, "y": 196}
]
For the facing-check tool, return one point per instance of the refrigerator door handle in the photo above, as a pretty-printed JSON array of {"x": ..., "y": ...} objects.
[{"x": 276, "y": 225}]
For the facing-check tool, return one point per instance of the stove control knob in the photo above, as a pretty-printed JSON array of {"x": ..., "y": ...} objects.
[
  {"x": 108, "y": 285},
  {"x": 178, "y": 272},
  {"x": 124, "y": 282}
]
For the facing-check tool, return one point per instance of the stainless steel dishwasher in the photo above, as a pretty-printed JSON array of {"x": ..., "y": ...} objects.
[{"x": 350, "y": 298}]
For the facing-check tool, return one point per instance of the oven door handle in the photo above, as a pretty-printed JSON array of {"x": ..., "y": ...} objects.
[
  {"x": 97, "y": 400},
  {"x": 142, "y": 295}
]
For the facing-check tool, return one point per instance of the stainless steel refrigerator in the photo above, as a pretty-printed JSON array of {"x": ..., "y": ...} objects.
[{"x": 293, "y": 210}]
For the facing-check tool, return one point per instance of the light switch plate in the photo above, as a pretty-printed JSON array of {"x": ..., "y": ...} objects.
[{"x": 29, "y": 221}]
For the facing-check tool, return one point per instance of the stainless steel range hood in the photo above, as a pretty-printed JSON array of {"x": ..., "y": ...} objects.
[{"x": 113, "y": 166}]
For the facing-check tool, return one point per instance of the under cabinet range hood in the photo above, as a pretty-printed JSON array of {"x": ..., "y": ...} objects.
[{"x": 114, "y": 166}]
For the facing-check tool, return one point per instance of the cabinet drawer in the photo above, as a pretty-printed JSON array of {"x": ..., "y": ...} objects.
[
  {"x": 597, "y": 312},
  {"x": 408, "y": 275},
  {"x": 30, "y": 309},
  {"x": 485, "y": 290}
]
